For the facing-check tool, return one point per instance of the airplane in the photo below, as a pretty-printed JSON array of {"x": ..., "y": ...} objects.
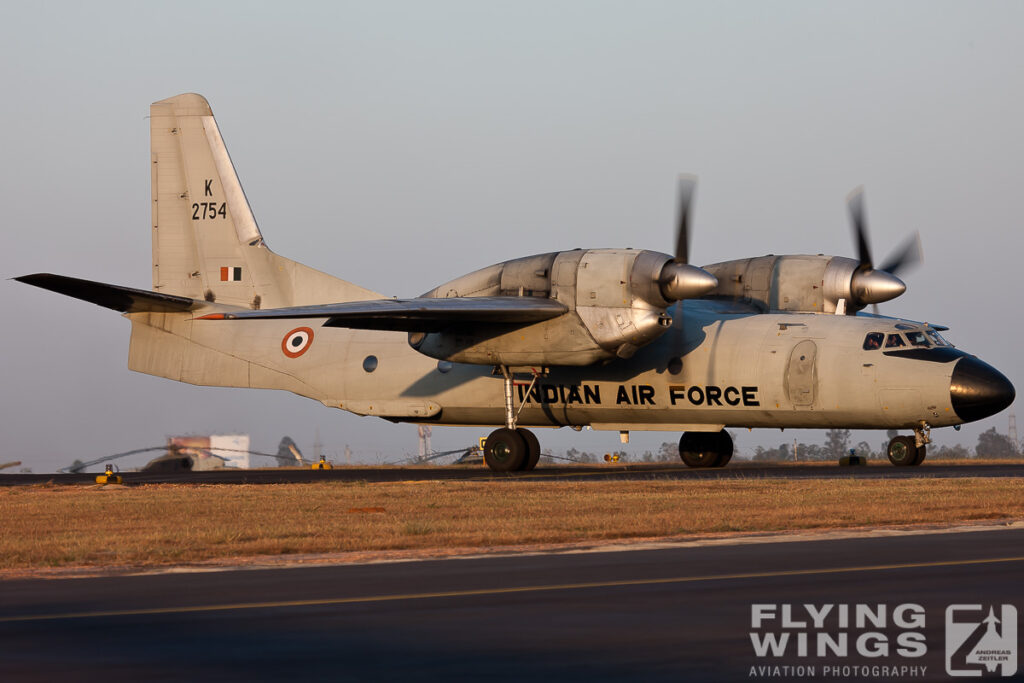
[{"x": 611, "y": 339}]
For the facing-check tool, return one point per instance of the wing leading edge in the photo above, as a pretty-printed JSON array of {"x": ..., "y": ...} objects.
[{"x": 415, "y": 315}]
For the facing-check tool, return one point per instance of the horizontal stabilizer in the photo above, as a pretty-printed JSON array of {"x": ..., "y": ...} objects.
[
  {"x": 416, "y": 315},
  {"x": 124, "y": 299}
]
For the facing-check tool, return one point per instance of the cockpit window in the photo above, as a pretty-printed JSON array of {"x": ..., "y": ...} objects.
[
  {"x": 894, "y": 341},
  {"x": 917, "y": 338},
  {"x": 937, "y": 338},
  {"x": 873, "y": 341}
]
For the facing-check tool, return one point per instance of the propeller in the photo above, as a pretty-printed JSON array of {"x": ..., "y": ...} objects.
[
  {"x": 872, "y": 285},
  {"x": 678, "y": 279},
  {"x": 687, "y": 186},
  {"x": 908, "y": 255}
]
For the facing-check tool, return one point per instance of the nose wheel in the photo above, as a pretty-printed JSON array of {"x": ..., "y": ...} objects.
[
  {"x": 903, "y": 451},
  {"x": 705, "y": 449}
]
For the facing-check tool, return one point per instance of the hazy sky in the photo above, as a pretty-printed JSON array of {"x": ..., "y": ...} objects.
[{"x": 398, "y": 145}]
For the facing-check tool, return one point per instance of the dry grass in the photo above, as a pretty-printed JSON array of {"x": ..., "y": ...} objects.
[{"x": 64, "y": 526}]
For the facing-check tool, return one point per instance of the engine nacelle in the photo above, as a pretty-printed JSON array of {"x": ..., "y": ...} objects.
[
  {"x": 804, "y": 283},
  {"x": 616, "y": 299}
]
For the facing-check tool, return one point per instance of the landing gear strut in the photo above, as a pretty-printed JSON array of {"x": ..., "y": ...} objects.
[
  {"x": 705, "y": 449},
  {"x": 510, "y": 448}
]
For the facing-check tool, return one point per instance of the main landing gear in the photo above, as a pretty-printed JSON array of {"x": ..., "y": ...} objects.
[
  {"x": 705, "y": 449},
  {"x": 910, "y": 451},
  {"x": 511, "y": 449}
]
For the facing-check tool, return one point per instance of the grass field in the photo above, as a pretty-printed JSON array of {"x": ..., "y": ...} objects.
[{"x": 159, "y": 525}]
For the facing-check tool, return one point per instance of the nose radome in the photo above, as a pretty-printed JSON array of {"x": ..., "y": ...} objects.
[{"x": 978, "y": 390}]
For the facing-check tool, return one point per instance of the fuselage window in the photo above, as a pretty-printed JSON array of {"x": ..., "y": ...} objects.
[
  {"x": 894, "y": 341},
  {"x": 873, "y": 341},
  {"x": 917, "y": 338}
]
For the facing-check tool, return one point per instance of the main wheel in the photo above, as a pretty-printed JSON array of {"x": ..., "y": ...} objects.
[
  {"x": 532, "y": 449},
  {"x": 505, "y": 450},
  {"x": 723, "y": 444},
  {"x": 922, "y": 451},
  {"x": 725, "y": 449},
  {"x": 705, "y": 449},
  {"x": 902, "y": 451}
]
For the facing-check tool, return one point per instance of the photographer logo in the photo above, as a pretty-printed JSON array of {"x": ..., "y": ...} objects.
[{"x": 981, "y": 639}]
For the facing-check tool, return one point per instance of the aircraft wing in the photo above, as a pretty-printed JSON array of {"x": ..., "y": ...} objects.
[
  {"x": 415, "y": 315},
  {"x": 123, "y": 299}
]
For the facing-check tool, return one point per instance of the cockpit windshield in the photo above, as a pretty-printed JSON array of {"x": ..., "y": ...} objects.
[
  {"x": 908, "y": 337},
  {"x": 937, "y": 338},
  {"x": 918, "y": 338}
]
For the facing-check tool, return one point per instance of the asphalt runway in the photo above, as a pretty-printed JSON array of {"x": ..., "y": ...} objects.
[
  {"x": 663, "y": 614},
  {"x": 638, "y": 472}
]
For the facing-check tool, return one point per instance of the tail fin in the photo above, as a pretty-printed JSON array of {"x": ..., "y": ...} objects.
[
  {"x": 288, "y": 453},
  {"x": 206, "y": 244}
]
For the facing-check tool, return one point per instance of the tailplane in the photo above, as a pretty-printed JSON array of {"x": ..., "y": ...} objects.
[{"x": 115, "y": 297}]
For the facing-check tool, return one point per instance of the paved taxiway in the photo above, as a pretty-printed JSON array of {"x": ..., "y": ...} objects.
[
  {"x": 619, "y": 472},
  {"x": 662, "y": 614}
]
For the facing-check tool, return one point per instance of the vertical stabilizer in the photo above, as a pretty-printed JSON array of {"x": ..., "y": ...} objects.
[{"x": 206, "y": 243}]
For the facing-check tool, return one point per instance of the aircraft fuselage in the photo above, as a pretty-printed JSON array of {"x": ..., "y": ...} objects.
[{"x": 713, "y": 368}]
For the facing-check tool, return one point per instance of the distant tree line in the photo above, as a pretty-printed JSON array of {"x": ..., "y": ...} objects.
[{"x": 991, "y": 444}]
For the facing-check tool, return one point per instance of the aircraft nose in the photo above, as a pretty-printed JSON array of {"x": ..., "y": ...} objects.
[{"x": 978, "y": 390}]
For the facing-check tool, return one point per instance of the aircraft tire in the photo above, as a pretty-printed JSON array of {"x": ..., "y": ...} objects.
[
  {"x": 505, "y": 450},
  {"x": 903, "y": 451},
  {"x": 922, "y": 451},
  {"x": 532, "y": 449},
  {"x": 704, "y": 449},
  {"x": 724, "y": 447}
]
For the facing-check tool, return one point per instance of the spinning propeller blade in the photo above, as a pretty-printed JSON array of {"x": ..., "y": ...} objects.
[
  {"x": 855, "y": 201},
  {"x": 908, "y": 255},
  {"x": 872, "y": 285},
  {"x": 687, "y": 185},
  {"x": 678, "y": 279}
]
